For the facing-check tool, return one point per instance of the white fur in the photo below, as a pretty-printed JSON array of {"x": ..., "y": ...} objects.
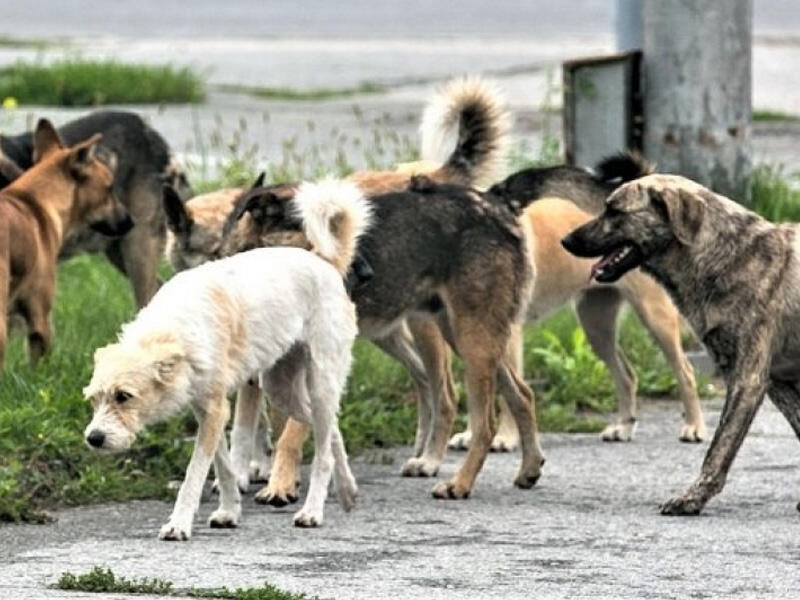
[
  {"x": 293, "y": 308},
  {"x": 439, "y": 128},
  {"x": 318, "y": 204}
]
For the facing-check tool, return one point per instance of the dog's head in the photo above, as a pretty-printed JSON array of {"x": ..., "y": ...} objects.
[
  {"x": 91, "y": 173},
  {"x": 642, "y": 219},
  {"x": 131, "y": 386},
  {"x": 263, "y": 217},
  {"x": 195, "y": 227}
]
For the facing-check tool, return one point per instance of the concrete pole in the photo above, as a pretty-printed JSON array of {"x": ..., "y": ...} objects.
[
  {"x": 628, "y": 25},
  {"x": 697, "y": 77}
]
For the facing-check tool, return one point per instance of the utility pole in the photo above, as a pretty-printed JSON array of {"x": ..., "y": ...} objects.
[{"x": 697, "y": 87}]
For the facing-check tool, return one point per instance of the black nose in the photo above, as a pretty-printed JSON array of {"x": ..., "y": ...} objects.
[
  {"x": 96, "y": 438},
  {"x": 568, "y": 243}
]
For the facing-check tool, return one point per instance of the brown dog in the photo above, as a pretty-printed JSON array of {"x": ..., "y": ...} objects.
[{"x": 66, "y": 188}]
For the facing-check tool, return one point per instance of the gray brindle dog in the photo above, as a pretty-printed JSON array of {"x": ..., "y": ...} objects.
[{"x": 736, "y": 278}]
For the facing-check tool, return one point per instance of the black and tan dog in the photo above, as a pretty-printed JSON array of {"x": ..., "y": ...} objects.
[
  {"x": 736, "y": 278},
  {"x": 142, "y": 162},
  {"x": 452, "y": 258},
  {"x": 67, "y": 188}
]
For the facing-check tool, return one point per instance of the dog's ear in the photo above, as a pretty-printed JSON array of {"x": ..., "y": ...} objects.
[
  {"x": 178, "y": 219},
  {"x": 684, "y": 209},
  {"x": 45, "y": 140},
  {"x": 259, "y": 182},
  {"x": 167, "y": 359},
  {"x": 108, "y": 158},
  {"x": 82, "y": 156}
]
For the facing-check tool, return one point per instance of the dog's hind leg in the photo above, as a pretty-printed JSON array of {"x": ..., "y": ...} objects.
[
  {"x": 36, "y": 309},
  {"x": 261, "y": 456},
  {"x": 245, "y": 424},
  {"x": 507, "y": 437},
  {"x": 346, "y": 486},
  {"x": 230, "y": 500},
  {"x": 747, "y": 385},
  {"x": 323, "y": 393},
  {"x": 282, "y": 486},
  {"x": 597, "y": 311},
  {"x": 521, "y": 404},
  {"x": 211, "y": 428},
  {"x": 436, "y": 357},
  {"x": 786, "y": 396},
  {"x": 400, "y": 345},
  {"x": 660, "y": 316}
]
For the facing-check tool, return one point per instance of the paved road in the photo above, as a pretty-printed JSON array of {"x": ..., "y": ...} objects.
[{"x": 590, "y": 529}]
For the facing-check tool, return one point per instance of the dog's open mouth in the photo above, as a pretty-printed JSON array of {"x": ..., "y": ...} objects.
[{"x": 616, "y": 263}]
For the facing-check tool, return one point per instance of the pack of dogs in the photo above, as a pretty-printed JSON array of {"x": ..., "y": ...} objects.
[{"x": 275, "y": 281}]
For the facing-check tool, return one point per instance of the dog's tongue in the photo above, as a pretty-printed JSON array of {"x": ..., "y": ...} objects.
[{"x": 598, "y": 266}]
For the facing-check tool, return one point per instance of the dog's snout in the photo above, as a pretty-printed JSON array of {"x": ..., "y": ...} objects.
[
  {"x": 96, "y": 438},
  {"x": 125, "y": 225},
  {"x": 568, "y": 242}
]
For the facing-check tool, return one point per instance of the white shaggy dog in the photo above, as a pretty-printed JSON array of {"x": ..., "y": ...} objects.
[{"x": 282, "y": 313}]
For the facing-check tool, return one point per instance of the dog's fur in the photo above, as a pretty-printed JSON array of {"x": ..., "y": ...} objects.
[
  {"x": 736, "y": 278},
  {"x": 67, "y": 189},
  {"x": 561, "y": 199},
  {"x": 282, "y": 313},
  {"x": 473, "y": 110},
  {"x": 141, "y": 163}
]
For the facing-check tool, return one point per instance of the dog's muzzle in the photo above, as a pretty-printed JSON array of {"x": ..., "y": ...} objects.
[{"x": 113, "y": 229}]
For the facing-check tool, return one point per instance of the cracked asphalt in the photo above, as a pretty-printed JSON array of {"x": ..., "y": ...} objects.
[{"x": 589, "y": 529}]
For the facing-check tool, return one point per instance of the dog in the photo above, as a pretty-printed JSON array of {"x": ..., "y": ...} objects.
[
  {"x": 67, "y": 188},
  {"x": 733, "y": 275},
  {"x": 281, "y": 313},
  {"x": 466, "y": 113},
  {"x": 560, "y": 199},
  {"x": 142, "y": 163}
]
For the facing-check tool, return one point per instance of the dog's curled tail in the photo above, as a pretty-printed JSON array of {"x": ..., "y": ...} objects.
[
  {"x": 334, "y": 214},
  {"x": 466, "y": 127},
  {"x": 623, "y": 167}
]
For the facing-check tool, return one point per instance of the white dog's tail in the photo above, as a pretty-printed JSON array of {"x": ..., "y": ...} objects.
[
  {"x": 465, "y": 127},
  {"x": 335, "y": 214}
]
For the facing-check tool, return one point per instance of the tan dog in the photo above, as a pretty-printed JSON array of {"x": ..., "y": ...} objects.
[{"x": 66, "y": 188}]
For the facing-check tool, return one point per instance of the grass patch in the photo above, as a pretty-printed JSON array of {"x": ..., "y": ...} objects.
[
  {"x": 78, "y": 82},
  {"x": 104, "y": 581},
  {"x": 774, "y": 196},
  {"x": 295, "y": 95},
  {"x": 765, "y": 115},
  {"x": 7, "y": 41}
]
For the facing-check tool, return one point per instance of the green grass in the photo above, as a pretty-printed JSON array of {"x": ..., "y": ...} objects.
[
  {"x": 765, "y": 115},
  {"x": 776, "y": 195},
  {"x": 295, "y": 95},
  {"x": 104, "y": 581},
  {"x": 80, "y": 82}
]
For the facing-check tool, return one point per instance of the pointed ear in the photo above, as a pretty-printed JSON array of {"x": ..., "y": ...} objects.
[
  {"x": 82, "y": 156},
  {"x": 685, "y": 212},
  {"x": 178, "y": 219},
  {"x": 259, "y": 182},
  {"x": 45, "y": 140},
  {"x": 108, "y": 158}
]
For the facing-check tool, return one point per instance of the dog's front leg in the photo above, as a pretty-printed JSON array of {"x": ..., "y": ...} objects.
[
  {"x": 746, "y": 389},
  {"x": 211, "y": 427},
  {"x": 786, "y": 396}
]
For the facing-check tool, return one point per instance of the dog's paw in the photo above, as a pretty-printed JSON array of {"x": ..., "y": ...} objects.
[
  {"x": 173, "y": 532},
  {"x": 224, "y": 519},
  {"x": 682, "y": 506},
  {"x": 347, "y": 492},
  {"x": 505, "y": 442},
  {"x": 618, "y": 432},
  {"x": 460, "y": 441},
  {"x": 693, "y": 433},
  {"x": 307, "y": 519},
  {"x": 278, "y": 498},
  {"x": 450, "y": 490},
  {"x": 259, "y": 472},
  {"x": 420, "y": 467}
]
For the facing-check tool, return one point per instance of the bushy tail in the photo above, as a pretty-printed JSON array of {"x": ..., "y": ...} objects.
[
  {"x": 622, "y": 167},
  {"x": 466, "y": 127},
  {"x": 334, "y": 214}
]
